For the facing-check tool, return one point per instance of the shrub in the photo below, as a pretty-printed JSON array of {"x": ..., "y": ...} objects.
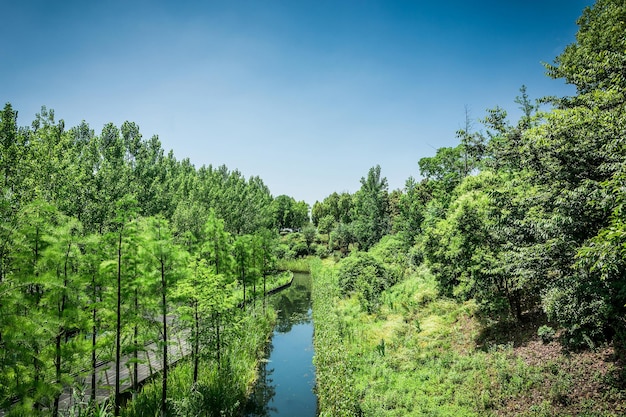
[
  {"x": 364, "y": 275},
  {"x": 546, "y": 333}
]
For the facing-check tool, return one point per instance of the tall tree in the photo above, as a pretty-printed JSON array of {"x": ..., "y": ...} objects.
[
  {"x": 64, "y": 297},
  {"x": 217, "y": 251},
  {"x": 168, "y": 264},
  {"x": 372, "y": 219},
  {"x": 126, "y": 213},
  {"x": 597, "y": 59}
]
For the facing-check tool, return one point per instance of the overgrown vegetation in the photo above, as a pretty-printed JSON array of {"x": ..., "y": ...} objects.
[
  {"x": 108, "y": 244},
  {"x": 422, "y": 353},
  {"x": 219, "y": 391},
  {"x": 455, "y": 296},
  {"x": 512, "y": 249}
]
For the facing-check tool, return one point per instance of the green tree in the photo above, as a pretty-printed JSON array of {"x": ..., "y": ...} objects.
[
  {"x": 243, "y": 261},
  {"x": 167, "y": 267},
  {"x": 289, "y": 213},
  {"x": 92, "y": 258},
  {"x": 120, "y": 241},
  {"x": 371, "y": 220},
  {"x": 310, "y": 233},
  {"x": 411, "y": 207},
  {"x": 443, "y": 172},
  {"x": 35, "y": 322},
  {"x": 64, "y": 297},
  {"x": 217, "y": 250},
  {"x": 597, "y": 59}
]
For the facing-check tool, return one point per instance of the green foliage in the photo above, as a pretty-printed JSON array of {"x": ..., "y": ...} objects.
[
  {"x": 336, "y": 385},
  {"x": 64, "y": 284},
  {"x": 364, "y": 275},
  {"x": 371, "y": 210},
  {"x": 596, "y": 60},
  {"x": 410, "y": 208},
  {"x": 336, "y": 208},
  {"x": 218, "y": 391},
  {"x": 294, "y": 265},
  {"x": 287, "y": 213},
  {"x": 546, "y": 333}
]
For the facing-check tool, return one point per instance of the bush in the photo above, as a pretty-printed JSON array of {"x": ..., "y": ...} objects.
[
  {"x": 546, "y": 333},
  {"x": 364, "y": 275},
  {"x": 321, "y": 251}
]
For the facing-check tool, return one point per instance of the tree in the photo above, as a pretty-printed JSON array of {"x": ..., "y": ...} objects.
[
  {"x": 126, "y": 212},
  {"x": 167, "y": 266},
  {"x": 192, "y": 289},
  {"x": 91, "y": 261},
  {"x": 217, "y": 251},
  {"x": 372, "y": 219},
  {"x": 289, "y": 213},
  {"x": 411, "y": 207},
  {"x": 310, "y": 233},
  {"x": 265, "y": 241},
  {"x": 597, "y": 59},
  {"x": 443, "y": 172},
  {"x": 35, "y": 223},
  {"x": 480, "y": 249},
  {"x": 64, "y": 297},
  {"x": 243, "y": 261}
]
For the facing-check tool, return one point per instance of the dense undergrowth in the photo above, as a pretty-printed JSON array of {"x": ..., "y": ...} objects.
[
  {"x": 219, "y": 391},
  {"x": 294, "y": 265},
  {"x": 423, "y": 354}
]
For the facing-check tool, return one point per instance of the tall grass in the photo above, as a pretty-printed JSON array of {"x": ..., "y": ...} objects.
[
  {"x": 295, "y": 265},
  {"x": 416, "y": 356},
  {"x": 218, "y": 392}
]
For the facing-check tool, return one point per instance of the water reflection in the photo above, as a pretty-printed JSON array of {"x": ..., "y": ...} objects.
[{"x": 287, "y": 377}]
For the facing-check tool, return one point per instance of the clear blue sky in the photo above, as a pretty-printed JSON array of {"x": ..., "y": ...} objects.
[{"x": 308, "y": 95}]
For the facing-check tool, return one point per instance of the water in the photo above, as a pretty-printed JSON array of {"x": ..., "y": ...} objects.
[{"x": 287, "y": 376}]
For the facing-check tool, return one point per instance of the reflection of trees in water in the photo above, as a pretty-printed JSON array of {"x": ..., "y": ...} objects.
[
  {"x": 293, "y": 304},
  {"x": 258, "y": 404}
]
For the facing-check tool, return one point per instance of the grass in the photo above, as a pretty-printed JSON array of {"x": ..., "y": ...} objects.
[
  {"x": 422, "y": 354},
  {"x": 295, "y": 265},
  {"x": 219, "y": 392},
  {"x": 272, "y": 282}
]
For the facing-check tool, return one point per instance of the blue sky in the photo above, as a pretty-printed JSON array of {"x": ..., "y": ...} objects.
[{"x": 307, "y": 94}]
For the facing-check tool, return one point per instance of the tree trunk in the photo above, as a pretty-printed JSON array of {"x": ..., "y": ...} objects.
[
  {"x": 136, "y": 348},
  {"x": 164, "y": 313},
  {"x": 196, "y": 342},
  {"x": 218, "y": 342},
  {"x": 118, "y": 329},
  {"x": 94, "y": 329},
  {"x": 57, "y": 367},
  {"x": 93, "y": 356}
]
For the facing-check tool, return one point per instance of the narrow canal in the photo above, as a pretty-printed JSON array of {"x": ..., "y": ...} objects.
[{"x": 287, "y": 376}]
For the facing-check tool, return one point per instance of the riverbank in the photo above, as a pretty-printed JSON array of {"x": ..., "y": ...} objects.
[
  {"x": 422, "y": 354},
  {"x": 220, "y": 390}
]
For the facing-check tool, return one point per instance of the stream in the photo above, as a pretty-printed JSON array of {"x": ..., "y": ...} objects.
[{"x": 286, "y": 375}]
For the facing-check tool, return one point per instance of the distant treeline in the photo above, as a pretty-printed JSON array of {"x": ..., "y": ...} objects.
[{"x": 103, "y": 237}]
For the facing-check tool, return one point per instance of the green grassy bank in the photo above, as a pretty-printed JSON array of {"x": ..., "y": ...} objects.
[{"x": 421, "y": 354}]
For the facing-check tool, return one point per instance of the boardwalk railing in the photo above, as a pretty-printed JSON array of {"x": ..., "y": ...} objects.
[{"x": 149, "y": 363}]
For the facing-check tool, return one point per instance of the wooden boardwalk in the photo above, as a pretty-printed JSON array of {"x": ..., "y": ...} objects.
[{"x": 150, "y": 362}]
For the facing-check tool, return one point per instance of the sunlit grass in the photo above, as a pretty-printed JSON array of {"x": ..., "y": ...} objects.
[
  {"x": 295, "y": 265},
  {"x": 219, "y": 392},
  {"x": 416, "y": 356}
]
